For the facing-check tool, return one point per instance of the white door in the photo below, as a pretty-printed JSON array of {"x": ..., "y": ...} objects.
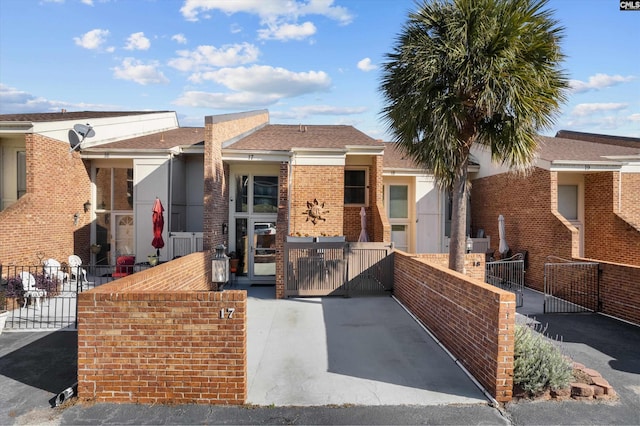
[{"x": 123, "y": 237}]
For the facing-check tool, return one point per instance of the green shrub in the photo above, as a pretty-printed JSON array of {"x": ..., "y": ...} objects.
[{"x": 538, "y": 363}]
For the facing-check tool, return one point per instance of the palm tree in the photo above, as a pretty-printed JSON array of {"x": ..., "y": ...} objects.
[{"x": 465, "y": 72}]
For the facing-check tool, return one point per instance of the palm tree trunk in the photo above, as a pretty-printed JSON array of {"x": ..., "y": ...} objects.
[{"x": 457, "y": 243}]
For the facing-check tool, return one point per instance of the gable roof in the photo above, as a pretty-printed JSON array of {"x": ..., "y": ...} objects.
[
  {"x": 598, "y": 149},
  {"x": 280, "y": 137},
  {"x": 596, "y": 138},
  {"x": 394, "y": 158},
  {"x": 183, "y": 136},
  {"x": 43, "y": 117}
]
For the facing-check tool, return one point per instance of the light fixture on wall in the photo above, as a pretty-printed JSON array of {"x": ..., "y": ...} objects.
[
  {"x": 469, "y": 244},
  {"x": 87, "y": 206},
  {"x": 76, "y": 217},
  {"x": 224, "y": 228},
  {"x": 220, "y": 268}
]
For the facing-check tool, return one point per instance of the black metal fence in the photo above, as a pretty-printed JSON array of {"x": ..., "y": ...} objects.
[{"x": 45, "y": 297}]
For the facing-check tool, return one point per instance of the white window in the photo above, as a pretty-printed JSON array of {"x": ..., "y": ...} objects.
[{"x": 568, "y": 201}]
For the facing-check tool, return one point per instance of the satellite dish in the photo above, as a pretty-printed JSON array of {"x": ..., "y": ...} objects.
[
  {"x": 74, "y": 140},
  {"x": 84, "y": 130}
]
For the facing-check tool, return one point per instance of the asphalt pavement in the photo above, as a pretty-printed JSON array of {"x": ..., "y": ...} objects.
[{"x": 34, "y": 367}]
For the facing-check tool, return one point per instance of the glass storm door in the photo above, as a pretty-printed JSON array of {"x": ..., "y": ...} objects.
[{"x": 263, "y": 249}]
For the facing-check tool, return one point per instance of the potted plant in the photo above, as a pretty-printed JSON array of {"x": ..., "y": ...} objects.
[{"x": 153, "y": 259}]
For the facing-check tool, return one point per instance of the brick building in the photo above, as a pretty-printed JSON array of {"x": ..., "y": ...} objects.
[
  {"x": 580, "y": 200},
  {"x": 239, "y": 181}
]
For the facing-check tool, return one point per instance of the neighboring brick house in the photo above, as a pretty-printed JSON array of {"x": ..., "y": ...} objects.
[
  {"x": 580, "y": 200},
  {"x": 47, "y": 197}
]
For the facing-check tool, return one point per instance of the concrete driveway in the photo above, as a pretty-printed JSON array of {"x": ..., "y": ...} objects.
[{"x": 334, "y": 350}]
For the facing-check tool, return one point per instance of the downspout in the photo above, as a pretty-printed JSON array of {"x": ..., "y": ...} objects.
[{"x": 170, "y": 206}]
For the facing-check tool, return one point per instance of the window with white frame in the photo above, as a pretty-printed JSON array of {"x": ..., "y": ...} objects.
[{"x": 355, "y": 187}]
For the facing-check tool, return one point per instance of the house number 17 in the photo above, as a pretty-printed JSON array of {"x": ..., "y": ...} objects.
[{"x": 227, "y": 313}]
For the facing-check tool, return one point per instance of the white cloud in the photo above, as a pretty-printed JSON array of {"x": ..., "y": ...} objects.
[
  {"x": 597, "y": 82},
  {"x": 137, "y": 41},
  {"x": 88, "y": 2},
  {"x": 255, "y": 87},
  {"x": 366, "y": 65},
  {"x": 205, "y": 57},
  {"x": 634, "y": 117},
  {"x": 14, "y": 101},
  {"x": 179, "y": 38},
  {"x": 287, "y": 32},
  {"x": 582, "y": 110},
  {"x": 136, "y": 71},
  {"x": 263, "y": 79},
  {"x": 279, "y": 16},
  {"x": 92, "y": 40},
  {"x": 225, "y": 100},
  {"x": 327, "y": 110}
]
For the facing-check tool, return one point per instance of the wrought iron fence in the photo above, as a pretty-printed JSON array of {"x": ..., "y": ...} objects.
[{"x": 45, "y": 297}]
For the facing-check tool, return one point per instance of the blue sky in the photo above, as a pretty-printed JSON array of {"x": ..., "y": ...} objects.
[{"x": 306, "y": 61}]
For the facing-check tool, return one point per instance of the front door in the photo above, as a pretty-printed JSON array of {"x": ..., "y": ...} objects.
[
  {"x": 123, "y": 236},
  {"x": 263, "y": 250},
  {"x": 253, "y": 216}
]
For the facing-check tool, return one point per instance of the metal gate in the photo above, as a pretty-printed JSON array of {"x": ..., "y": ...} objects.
[
  {"x": 571, "y": 286},
  {"x": 337, "y": 268},
  {"x": 508, "y": 274}
]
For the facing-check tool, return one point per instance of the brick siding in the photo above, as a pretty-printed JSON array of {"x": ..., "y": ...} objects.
[
  {"x": 473, "y": 320},
  {"x": 607, "y": 235},
  {"x": 529, "y": 206},
  {"x": 41, "y": 222},
  {"x": 619, "y": 290},
  {"x": 157, "y": 336}
]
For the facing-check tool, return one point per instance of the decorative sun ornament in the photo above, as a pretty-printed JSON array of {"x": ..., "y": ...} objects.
[{"x": 315, "y": 211}]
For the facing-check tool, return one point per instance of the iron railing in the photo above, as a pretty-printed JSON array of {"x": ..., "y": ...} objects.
[
  {"x": 508, "y": 274},
  {"x": 45, "y": 297},
  {"x": 571, "y": 286}
]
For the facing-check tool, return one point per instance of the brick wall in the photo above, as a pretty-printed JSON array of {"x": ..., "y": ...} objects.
[
  {"x": 473, "y": 320},
  {"x": 630, "y": 197},
  {"x": 324, "y": 184},
  {"x": 608, "y": 236},
  {"x": 529, "y": 206},
  {"x": 58, "y": 184},
  {"x": 618, "y": 288},
  {"x": 474, "y": 263},
  {"x": 216, "y": 191},
  {"x": 282, "y": 222},
  {"x": 157, "y": 336}
]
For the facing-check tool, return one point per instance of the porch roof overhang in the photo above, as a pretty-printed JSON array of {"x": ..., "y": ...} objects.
[
  {"x": 581, "y": 166},
  {"x": 243, "y": 156},
  {"x": 97, "y": 153},
  {"x": 16, "y": 127},
  {"x": 412, "y": 171}
]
